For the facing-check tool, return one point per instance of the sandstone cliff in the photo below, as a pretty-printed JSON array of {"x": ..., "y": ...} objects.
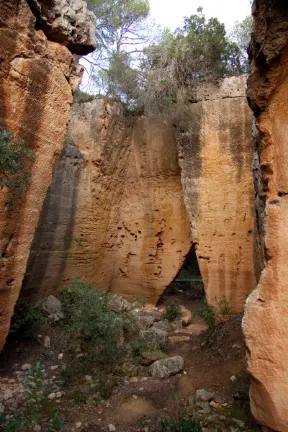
[
  {"x": 266, "y": 314},
  {"x": 114, "y": 214},
  {"x": 37, "y": 77},
  {"x": 216, "y": 159}
]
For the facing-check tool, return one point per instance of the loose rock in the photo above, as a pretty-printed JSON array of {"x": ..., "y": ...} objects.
[
  {"x": 26, "y": 367},
  {"x": 150, "y": 356},
  {"x": 167, "y": 367},
  {"x": 203, "y": 395}
]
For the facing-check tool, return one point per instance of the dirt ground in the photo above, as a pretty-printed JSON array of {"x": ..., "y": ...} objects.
[{"x": 211, "y": 359}]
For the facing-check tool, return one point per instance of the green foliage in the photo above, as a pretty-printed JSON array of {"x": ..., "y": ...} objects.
[
  {"x": 209, "y": 313},
  {"x": 81, "y": 96},
  {"x": 31, "y": 411},
  {"x": 121, "y": 31},
  {"x": 139, "y": 303},
  {"x": 173, "y": 310},
  {"x": 241, "y": 35},
  {"x": 91, "y": 327},
  {"x": 15, "y": 163},
  {"x": 223, "y": 306},
  {"x": 182, "y": 424},
  {"x": 195, "y": 53},
  {"x": 26, "y": 320}
]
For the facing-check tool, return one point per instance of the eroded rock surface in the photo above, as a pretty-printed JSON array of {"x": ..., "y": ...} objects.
[
  {"x": 37, "y": 77},
  {"x": 216, "y": 159},
  {"x": 68, "y": 22},
  {"x": 266, "y": 314},
  {"x": 114, "y": 214}
]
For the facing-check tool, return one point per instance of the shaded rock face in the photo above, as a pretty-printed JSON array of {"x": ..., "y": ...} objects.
[
  {"x": 68, "y": 22},
  {"x": 114, "y": 214},
  {"x": 265, "y": 321},
  {"x": 37, "y": 78},
  {"x": 216, "y": 160}
]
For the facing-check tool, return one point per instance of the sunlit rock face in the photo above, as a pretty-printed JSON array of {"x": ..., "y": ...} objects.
[
  {"x": 37, "y": 77},
  {"x": 216, "y": 160},
  {"x": 266, "y": 314},
  {"x": 115, "y": 214}
]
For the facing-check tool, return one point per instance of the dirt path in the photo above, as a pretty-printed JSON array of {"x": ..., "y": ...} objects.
[{"x": 139, "y": 404}]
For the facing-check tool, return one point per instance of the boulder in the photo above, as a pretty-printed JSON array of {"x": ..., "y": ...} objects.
[
  {"x": 67, "y": 20},
  {"x": 51, "y": 307},
  {"x": 118, "y": 304},
  {"x": 186, "y": 316},
  {"x": 150, "y": 356},
  {"x": 144, "y": 322},
  {"x": 153, "y": 338},
  {"x": 166, "y": 367},
  {"x": 203, "y": 395}
]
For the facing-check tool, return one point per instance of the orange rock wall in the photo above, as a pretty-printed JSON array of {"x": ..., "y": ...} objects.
[
  {"x": 216, "y": 160},
  {"x": 265, "y": 321},
  {"x": 36, "y": 82},
  {"x": 114, "y": 214}
]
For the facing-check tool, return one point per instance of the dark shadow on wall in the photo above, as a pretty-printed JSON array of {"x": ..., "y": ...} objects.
[
  {"x": 53, "y": 236},
  {"x": 188, "y": 283}
]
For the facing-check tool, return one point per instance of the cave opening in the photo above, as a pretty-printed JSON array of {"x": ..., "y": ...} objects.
[{"x": 187, "y": 285}]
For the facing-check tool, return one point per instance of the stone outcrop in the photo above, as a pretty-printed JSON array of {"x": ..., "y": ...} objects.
[
  {"x": 265, "y": 321},
  {"x": 114, "y": 214},
  {"x": 216, "y": 160},
  {"x": 68, "y": 22},
  {"x": 37, "y": 77}
]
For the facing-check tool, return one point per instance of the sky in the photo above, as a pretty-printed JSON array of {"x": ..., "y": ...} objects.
[{"x": 170, "y": 13}]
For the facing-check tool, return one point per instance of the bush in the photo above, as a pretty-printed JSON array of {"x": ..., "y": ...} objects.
[
  {"x": 22, "y": 419},
  {"x": 15, "y": 163},
  {"x": 26, "y": 320},
  {"x": 95, "y": 331},
  {"x": 210, "y": 312},
  {"x": 81, "y": 96},
  {"x": 173, "y": 310},
  {"x": 182, "y": 424}
]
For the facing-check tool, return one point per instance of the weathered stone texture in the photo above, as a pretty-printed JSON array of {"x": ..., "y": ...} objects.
[
  {"x": 265, "y": 322},
  {"x": 216, "y": 159},
  {"x": 36, "y": 81},
  {"x": 114, "y": 214},
  {"x": 68, "y": 22}
]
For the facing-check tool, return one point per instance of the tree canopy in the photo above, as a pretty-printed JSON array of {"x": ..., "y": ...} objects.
[{"x": 148, "y": 75}]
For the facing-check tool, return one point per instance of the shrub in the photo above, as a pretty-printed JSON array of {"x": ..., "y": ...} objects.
[
  {"x": 81, "y": 96},
  {"x": 173, "y": 310},
  {"x": 210, "y": 312},
  {"x": 15, "y": 163},
  {"x": 22, "y": 419},
  {"x": 26, "y": 320},
  {"x": 223, "y": 306},
  {"x": 182, "y": 424},
  {"x": 91, "y": 327}
]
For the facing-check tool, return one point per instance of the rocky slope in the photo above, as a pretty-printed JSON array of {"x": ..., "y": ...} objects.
[
  {"x": 216, "y": 161},
  {"x": 114, "y": 214},
  {"x": 37, "y": 78},
  {"x": 266, "y": 316}
]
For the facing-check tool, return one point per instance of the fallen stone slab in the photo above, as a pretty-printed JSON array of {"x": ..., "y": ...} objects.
[
  {"x": 150, "y": 356},
  {"x": 167, "y": 367}
]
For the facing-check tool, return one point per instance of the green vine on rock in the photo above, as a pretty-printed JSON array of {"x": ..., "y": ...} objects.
[{"x": 15, "y": 163}]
